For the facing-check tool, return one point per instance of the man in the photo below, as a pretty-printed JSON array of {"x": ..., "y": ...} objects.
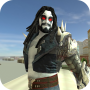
[{"x": 45, "y": 47}]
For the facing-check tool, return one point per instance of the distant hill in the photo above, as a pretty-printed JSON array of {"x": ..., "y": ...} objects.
[{"x": 15, "y": 57}]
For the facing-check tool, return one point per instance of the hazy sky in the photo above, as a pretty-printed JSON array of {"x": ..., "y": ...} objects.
[{"x": 16, "y": 15}]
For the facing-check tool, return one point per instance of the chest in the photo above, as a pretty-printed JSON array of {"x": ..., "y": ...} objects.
[
  {"x": 32, "y": 49},
  {"x": 41, "y": 45}
]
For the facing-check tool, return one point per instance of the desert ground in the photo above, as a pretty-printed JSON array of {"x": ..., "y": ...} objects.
[{"x": 14, "y": 77}]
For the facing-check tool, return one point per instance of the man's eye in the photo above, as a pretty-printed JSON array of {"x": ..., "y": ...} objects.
[
  {"x": 43, "y": 18},
  {"x": 50, "y": 19}
]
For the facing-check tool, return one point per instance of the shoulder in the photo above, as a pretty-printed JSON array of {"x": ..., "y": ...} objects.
[
  {"x": 60, "y": 35},
  {"x": 60, "y": 32}
]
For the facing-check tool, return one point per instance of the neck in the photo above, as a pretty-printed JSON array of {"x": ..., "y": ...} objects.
[{"x": 41, "y": 33}]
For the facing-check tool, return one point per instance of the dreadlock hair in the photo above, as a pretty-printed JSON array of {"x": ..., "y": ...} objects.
[{"x": 33, "y": 28}]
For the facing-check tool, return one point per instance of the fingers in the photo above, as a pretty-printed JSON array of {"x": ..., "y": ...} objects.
[
  {"x": 84, "y": 74},
  {"x": 84, "y": 84},
  {"x": 88, "y": 71},
  {"x": 85, "y": 81},
  {"x": 83, "y": 65}
]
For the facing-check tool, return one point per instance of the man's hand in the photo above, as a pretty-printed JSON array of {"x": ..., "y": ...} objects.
[
  {"x": 85, "y": 75},
  {"x": 67, "y": 48}
]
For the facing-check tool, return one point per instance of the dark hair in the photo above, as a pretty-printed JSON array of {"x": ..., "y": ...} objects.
[{"x": 33, "y": 28}]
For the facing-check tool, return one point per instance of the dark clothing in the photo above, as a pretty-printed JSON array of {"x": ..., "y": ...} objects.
[
  {"x": 46, "y": 64},
  {"x": 43, "y": 61}
]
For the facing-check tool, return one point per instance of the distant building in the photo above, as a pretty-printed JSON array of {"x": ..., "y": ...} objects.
[
  {"x": 80, "y": 47},
  {"x": 22, "y": 56},
  {"x": 84, "y": 48},
  {"x": 12, "y": 57}
]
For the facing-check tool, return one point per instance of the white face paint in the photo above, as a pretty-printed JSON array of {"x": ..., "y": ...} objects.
[{"x": 46, "y": 20}]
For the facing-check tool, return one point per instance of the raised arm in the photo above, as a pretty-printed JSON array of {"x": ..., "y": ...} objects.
[{"x": 67, "y": 51}]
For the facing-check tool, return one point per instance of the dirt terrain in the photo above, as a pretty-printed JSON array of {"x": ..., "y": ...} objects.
[{"x": 14, "y": 77}]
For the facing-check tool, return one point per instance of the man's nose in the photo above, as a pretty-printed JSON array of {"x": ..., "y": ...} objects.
[{"x": 46, "y": 21}]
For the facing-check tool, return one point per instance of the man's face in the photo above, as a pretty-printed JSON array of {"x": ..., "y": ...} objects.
[{"x": 46, "y": 21}]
